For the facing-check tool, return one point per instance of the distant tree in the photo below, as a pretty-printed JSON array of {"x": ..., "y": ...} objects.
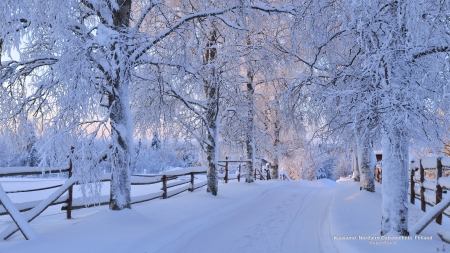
[{"x": 156, "y": 143}]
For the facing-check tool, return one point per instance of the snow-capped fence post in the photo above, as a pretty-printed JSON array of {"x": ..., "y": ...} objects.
[
  {"x": 422, "y": 187},
  {"x": 413, "y": 193},
  {"x": 226, "y": 170},
  {"x": 164, "y": 187},
  {"x": 70, "y": 190},
  {"x": 239, "y": 175},
  {"x": 438, "y": 188},
  {"x": 192, "y": 182}
]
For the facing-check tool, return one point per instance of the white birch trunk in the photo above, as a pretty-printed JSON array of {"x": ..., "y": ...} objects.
[
  {"x": 355, "y": 166},
  {"x": 250, "y": 138},
  {"x": 395, "y": 182},
  {"x": 122, "y": 137},
  {"x": 121, "y": 121},
  {"x": 366, "y": 164},
  {"x": 211, "y": 88},
  {"x": 212, "y": 151},
  {"x": 276, "y": 162}
]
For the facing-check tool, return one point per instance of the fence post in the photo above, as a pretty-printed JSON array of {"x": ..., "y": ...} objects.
[
  {"x": 192, "y": 182},
  {"x": 226, "y": 170},
  {"x": 413, "y": 193},
  {"x": 239, "y": 175},
  {"x": 438, "y": 188},
  {"x": 422, "y": 188},
  {"x": 164, "y": 181},
  {"x": 70, "y": 190}
]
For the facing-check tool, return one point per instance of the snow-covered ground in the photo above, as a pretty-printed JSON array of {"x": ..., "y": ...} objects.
[
  {"x": 357, "y": 213},
  {"x": 267, "y": 216}
]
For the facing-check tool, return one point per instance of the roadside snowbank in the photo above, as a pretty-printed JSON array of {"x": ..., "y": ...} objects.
[{"x": 355, "y": 224}]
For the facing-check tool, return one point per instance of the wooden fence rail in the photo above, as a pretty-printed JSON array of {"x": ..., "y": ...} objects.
[
  {"x": 72, "y": 203},
  {"x": 34, "y": 208},
  {"x": 429, "y": 192}
]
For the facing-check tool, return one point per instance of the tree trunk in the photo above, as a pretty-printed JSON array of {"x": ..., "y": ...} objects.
[
  {"x": 212, "y": 151},
  {"x": 211, "y": 88},
  {"x": 355, "y": 165},
  {"x": 276, "y": 145},
  {"x": 250, "y": 138},
  {"x": 366, "y": 164},
  {"x": 121, "y": 121},
  {"x": 395, "y": 182},
  {"x": 122, "y": 136}
]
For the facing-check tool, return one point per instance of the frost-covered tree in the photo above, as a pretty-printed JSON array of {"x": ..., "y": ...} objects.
[
  {"x": 156, "y": 143},
  {"x": 204, "y": 96},
  {"x": 405, "y": 69},
  {"x": 388, "y": 91},
  {"x": 77, "y": 61}
]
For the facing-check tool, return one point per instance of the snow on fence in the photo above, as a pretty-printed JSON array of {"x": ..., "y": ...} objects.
[
  {"x": 34, "y": 208},
  {"x": 77, "y": 203},
  {"x": 429, "y": 191}
]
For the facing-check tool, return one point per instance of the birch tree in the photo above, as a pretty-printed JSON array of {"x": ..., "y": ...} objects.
[{"x": 77, "y": 61}]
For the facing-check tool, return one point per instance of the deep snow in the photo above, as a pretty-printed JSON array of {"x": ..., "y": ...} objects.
[{"x": 265, "y": 216}]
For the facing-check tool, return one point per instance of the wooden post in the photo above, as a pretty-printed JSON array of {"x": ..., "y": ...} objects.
[
  {"x": 239, "y": 175},
  {"x": 192, "y": 182},
  {"x": 226, "y": 170},
  {"x": 422, "y": 188},
  {"x": 413, "y": 194},
  {"x": 438, "y": 188},
  {"x": 164, "y": 181},
  {"x": 70, "y": 190}
]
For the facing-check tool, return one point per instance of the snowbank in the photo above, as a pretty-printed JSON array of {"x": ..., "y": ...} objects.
[
  {"x": 355, "y": 222},
  {"x": 429, "y": 162},
  {"x": 185, "y": 171}
]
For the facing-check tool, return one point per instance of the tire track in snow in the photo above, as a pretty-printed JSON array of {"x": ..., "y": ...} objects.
[{"x": 281, "y": 220}]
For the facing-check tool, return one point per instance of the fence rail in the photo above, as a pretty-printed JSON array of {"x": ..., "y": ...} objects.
[
  {"x": 429, "y": 192},
  {"x": 72, "y": 203},
  {"x": 34, "y": 208}
]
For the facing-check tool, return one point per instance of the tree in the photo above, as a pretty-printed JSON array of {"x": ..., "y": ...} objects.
[
  {"x": 156, "y": 143},
  {"x": 81, "y": 58}
]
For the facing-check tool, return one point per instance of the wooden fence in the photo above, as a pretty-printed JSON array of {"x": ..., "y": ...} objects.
[
  {"x": 77, "y": 203},
  {"x": 166, "y": 178},
  {"x": 429, "y": 191}
]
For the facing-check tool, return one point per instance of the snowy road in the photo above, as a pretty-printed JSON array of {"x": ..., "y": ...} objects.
[{"x": 291, "y": 218}]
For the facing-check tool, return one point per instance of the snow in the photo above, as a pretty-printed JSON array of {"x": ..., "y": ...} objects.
[
  {"x": 22, "y": 170},
  {"x": 429, "y": 162},
  {"x": 444, "y": 182},
  {"x": 357, "y": 213},
  {"x": 431, "y": 185},
  {"x": 23, "y": 225},
  {"x": 184, "y": 171},
  {"x": 265, "y": 216},
  {"x": 427, "y": 218},
  {"x": 103, "y": 34},
  {"x": 283, "y": 172},
  {"x": 444, "y": 234},
  {"x": 445, "y": 161},
  {"x": 33, "y": 213}
]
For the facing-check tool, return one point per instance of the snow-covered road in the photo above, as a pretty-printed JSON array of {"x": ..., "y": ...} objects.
[{"x": 291, "y": 218}]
